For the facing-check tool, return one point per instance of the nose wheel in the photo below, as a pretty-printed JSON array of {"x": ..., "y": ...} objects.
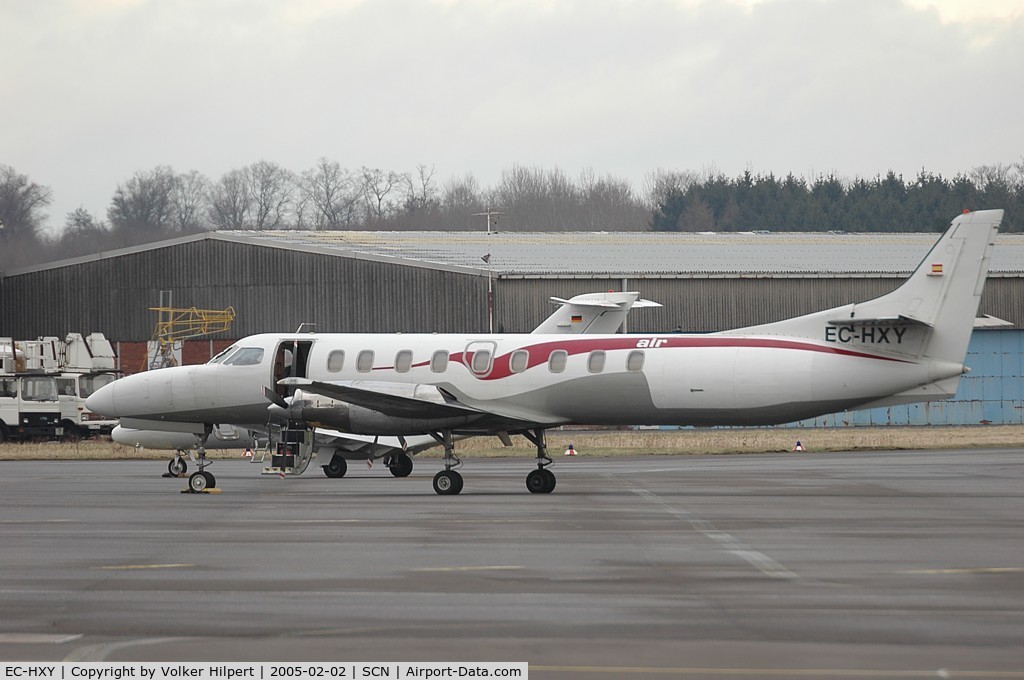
[
  {"x": 201, "y": 481},
  {"x": 447, "y": 483}
]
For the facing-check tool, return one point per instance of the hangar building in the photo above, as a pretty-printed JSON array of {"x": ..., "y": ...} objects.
[{"x": 346, "y": 281}]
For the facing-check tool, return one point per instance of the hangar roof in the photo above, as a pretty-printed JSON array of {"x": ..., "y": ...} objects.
[
  {"x": 642, "y": 254},
  {"x": 611, "y": 254}
]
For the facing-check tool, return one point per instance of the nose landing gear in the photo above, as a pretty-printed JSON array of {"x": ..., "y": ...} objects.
[{"x": 201, "y": 481}]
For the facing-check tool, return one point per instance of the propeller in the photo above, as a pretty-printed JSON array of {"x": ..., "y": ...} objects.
[{"x": 274, "y": 397}]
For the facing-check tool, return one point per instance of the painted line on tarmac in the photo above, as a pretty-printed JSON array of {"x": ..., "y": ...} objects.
[
  {"x": 966, "y": 570},
  {"x": 36, "y": 638},
  {"x": 101, "y": 651},
  {"x": 732, "y": 545},
  {"x": 461, "y": 569},
  {"x": 781, "y": 672},
  {"x": 126, "y": 567}
]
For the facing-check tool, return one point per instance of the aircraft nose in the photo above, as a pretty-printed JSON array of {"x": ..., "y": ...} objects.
[{"x": 102, "y": 400}]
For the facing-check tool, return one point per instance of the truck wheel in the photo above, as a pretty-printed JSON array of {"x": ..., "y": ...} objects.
[{"x": 71, "y": 432}]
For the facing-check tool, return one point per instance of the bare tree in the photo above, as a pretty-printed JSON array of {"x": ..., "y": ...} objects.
[
  {"x": 22, "y": 202},
  {"x": 333, "y": 193},
  {"x": 229, "y": 201},
  {"x": 420, "y": 190},
  {"x": 270, "y": 190},
  {"x": 376, "y": 185},
  {"x": 142, "y": 207},
  {"x": 660, "y": 183},
  {"x": 190, "y": 201}
]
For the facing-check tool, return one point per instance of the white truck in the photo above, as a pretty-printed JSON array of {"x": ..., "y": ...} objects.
[
  {"x": 80, "y": 366},
  {"x": 29, "y": 407}
]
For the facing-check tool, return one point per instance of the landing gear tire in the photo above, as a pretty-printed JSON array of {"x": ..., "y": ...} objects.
[
  {"x": 540, "y": 481},
  {"x": 401, "y": 465},
  {"x": 336, "y": 468},
  {"x": 177, "y": 466},
  {"x": 200, "y": 481},
  {"x": 447, "y": 483}
]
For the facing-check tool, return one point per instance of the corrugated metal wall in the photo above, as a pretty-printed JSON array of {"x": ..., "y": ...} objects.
[
  {"x": 271, "y": 289},
  {"x": 704, "y": 305},
  {"x": 991, "y": 394},
  {"x": 275, "y": 289}
]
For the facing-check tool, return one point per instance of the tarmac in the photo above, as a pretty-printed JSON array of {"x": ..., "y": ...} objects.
[{"x": 839, "y": 565}]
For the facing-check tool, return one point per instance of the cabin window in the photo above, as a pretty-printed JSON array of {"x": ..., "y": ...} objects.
[
  {"x": 66, "y": 387},
  {"x": 439, "y": 361},
  {"x": 336, "y": 361},
  {"x": 403, "y": 361},
  {"x": 520, "y": 361},
  {"x": 247, "y": 356},
  {"x": 595, "y": 362},
  {"x": 481, "y": 361},
  {"x": 556, "y": 362},
  {"x": 635, "y": 361},
  {"x": 364, "y": 362}
]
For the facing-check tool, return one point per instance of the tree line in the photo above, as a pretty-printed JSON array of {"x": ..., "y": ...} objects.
[
  {"x": 713, "y": 202},
  {"x": 160, "y": 203}
]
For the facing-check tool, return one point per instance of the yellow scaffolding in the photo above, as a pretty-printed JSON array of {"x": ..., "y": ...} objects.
[{"x": 175, "y": 324}]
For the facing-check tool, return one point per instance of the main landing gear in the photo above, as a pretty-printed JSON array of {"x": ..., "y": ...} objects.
[
  {"x": 541, "y": 480},
  {"x": 337, "y": 467},
  {"x": 177, "y": 467},
  {"x": 447, "y": 482},
  {"x": 400, "y": 464}
]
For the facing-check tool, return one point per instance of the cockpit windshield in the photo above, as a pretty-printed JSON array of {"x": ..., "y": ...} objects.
[
  {"x": 246, "y": 356},
  {"x": 223, "y": 355}
]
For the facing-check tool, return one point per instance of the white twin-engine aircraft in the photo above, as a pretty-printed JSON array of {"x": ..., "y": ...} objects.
[
  {"x": 906, "y": 346},
  {"x": 592, "y": 313}
]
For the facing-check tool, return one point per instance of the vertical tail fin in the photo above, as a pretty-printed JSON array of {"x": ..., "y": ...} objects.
[
  {"x": 929, "y": 316},
  {"x": 944, "y": 291}
]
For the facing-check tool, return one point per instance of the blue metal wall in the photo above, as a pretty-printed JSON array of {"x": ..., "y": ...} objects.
[{"x": 991, "y": 394}]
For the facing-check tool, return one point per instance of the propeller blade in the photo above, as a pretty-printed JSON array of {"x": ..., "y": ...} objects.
[{"x": 274, "y": 397}]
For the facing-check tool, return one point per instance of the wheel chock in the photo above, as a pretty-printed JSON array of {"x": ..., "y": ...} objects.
[
  {"x": 168, "y": 475},
  {"x": 213, "y": 490}
]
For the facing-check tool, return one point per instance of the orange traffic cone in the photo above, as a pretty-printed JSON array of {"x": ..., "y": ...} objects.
[
  {"x": 570, "y": 451},
  {"x": 248, "y": 453}
]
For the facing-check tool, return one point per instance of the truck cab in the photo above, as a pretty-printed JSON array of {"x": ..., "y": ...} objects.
[
  {"x": 72, "y": 391},
  {"x": 29, "y": 407}
]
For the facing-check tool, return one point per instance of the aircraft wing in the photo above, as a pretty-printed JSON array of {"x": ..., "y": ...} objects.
[{"x": 393, "y": 399}]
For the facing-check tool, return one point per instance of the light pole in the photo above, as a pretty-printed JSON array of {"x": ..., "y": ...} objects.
[{"x": 487, "y": 258}]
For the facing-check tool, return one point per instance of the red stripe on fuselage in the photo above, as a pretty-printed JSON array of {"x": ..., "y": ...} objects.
[{"x": 541, "y": 352}]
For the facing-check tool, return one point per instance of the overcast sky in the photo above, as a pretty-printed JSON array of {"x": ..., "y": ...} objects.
[{"x": 94, "y": 90}]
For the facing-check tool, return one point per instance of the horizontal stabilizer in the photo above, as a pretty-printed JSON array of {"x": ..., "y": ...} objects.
[
  {"x": 880, "y": 321},
  {"x": 584, "y": 303}
]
